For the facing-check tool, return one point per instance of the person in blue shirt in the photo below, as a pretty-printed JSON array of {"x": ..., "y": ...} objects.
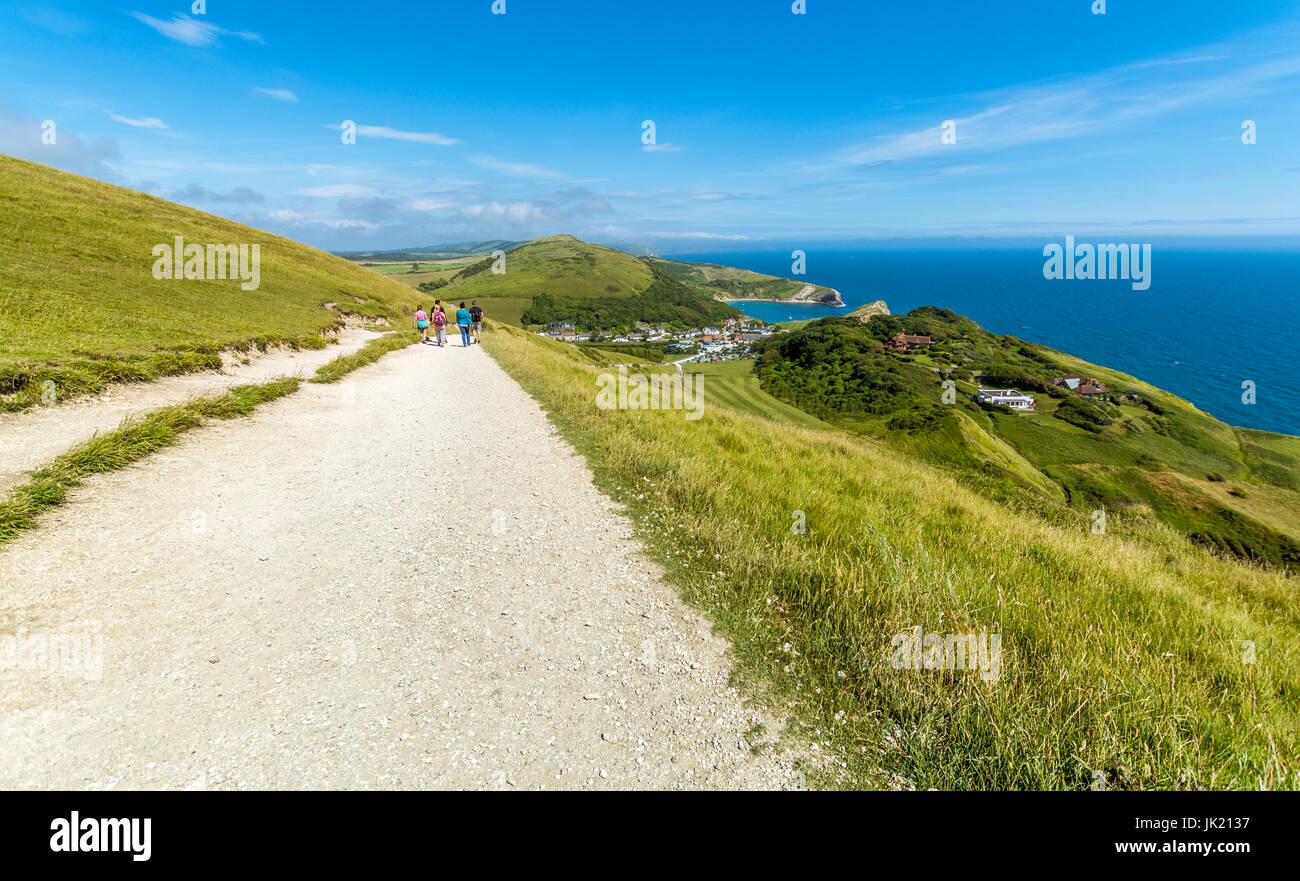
[{"x": 463, "y": 321}]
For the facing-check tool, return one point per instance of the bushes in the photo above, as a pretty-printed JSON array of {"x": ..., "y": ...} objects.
[{"x": 1084, "y": 414}]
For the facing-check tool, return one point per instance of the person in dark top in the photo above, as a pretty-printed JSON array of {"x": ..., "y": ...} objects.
[{"x": 476, "y": 318}]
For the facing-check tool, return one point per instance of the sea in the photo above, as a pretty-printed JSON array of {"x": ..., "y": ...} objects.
[{"x": 1214, "y": 326}]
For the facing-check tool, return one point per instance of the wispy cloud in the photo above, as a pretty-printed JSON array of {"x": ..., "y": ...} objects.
[
  {"x": 429, "y": 204},
  {"x": 335, "y": 191},
  {"x": 142, "y": 122},
  {"x": 515, "y": 169},
  {"x": 662, "y": 148},
  {"x": 298, "y": 218},
  {"x": 383, "y": 131},
  {"x": 192, "y": 32},
  {"x": 277, "y": 94},
  {"x": 1042, "y": 112}
]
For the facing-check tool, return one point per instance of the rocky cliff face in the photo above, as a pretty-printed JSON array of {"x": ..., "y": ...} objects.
[{"x": 864, "y": 313}]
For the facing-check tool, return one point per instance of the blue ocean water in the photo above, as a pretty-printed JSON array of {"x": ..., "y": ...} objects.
[{"x": 1211, "y": 320}]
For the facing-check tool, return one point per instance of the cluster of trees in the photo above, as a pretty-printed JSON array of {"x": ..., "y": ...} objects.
[
  {"x": 837, "y": 366},
  {"x": 430, "y": 286}
]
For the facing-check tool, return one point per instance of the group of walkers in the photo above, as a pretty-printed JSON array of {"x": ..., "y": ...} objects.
[{"x": 470, "y": 322}]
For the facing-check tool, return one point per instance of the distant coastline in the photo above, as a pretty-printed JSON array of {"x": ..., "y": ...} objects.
[{"x": 802, "y": 298}]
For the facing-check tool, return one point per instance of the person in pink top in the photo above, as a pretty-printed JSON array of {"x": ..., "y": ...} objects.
[
  {"x": 422, "y": 323},
  {"x": 440, "y": 324}
]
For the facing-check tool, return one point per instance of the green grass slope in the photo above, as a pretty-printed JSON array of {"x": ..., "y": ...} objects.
[
  {"x": 79, "y": 304},
  {"x": 733, "y": 384},
  {"x": 1139, "y": 453},
  {"x": 1138, "y": 658}
]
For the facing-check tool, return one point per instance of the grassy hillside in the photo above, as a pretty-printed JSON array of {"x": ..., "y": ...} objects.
[
  {"x": 79, "y": 304},
  {"x": 1137, "y": 452},
  {"x": 599, "y": 288},
  {"x": 1124, "y": 657},
  {"x": 732, "y": 384}
]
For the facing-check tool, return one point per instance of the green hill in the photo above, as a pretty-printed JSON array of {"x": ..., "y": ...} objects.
[
  {"x": 1136, "y": 451},
  {"x": 566, "y": 279},
  {"x": 79, "y": 303}
]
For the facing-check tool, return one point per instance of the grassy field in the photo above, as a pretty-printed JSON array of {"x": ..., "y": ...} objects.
[
  {"x": 1135, "y": 659},
  {"x": 732, "y": 384},
  {"x": 417, "y": 273},
  {"x": 79, "y": 305}
]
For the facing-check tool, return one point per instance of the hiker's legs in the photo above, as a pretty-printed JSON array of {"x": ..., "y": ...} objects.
[{"x": 464, "y": 336}]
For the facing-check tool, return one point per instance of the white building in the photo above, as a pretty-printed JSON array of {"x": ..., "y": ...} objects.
[{"x": 1006, "y": 397}]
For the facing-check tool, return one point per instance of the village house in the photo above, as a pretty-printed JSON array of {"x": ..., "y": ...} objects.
[
  {"x": 906, "y": 342},
  {"x": 1083, "y": 386},
  {"x": 1007, "y": 398},
  {"x": 557, "y": 329}
]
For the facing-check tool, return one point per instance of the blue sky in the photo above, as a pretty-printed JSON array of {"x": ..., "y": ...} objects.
[{"x": 770, "y": 126}]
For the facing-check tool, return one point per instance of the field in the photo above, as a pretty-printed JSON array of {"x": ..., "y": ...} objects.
[
  {"x": 732, "y": 384},
  {"x": 79, "y": 304},
  {"x": 417, "y": 273},
  {"x": 1137, "y": 660}
]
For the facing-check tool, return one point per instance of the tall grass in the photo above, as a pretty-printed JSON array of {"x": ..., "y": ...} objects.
[{"x": 1124, "y": 659}]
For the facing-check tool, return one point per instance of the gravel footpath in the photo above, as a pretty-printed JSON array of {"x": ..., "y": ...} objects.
[
  {"x": 404, "y": 580},
  {"x": 32, "y": 438}
]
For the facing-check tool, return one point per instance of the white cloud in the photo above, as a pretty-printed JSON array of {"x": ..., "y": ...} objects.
[
  {"x": 277, "y": 94},
  {"x": 1037, "y": 113},
  {"x": 383, "y": 131},
  {"x": 514, "y": 169},
  {"x": 429, "y": 204},
  {"x": 335, "y": 191},
  {"x": 711, "y": 236},
  {"x": 142, "y": 122},
  {"x": 514, "y": 213},
  {"x": 297, "y": 218},
  {"x": 192, "y": 32}
]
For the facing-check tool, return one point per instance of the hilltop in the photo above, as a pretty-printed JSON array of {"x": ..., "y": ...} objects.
[
  {"x": 80, "y": 305},
  {"x": 562, "y": 278}
]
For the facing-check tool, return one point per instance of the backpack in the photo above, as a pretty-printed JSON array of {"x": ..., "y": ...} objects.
[{"x": 439, "y": 319}]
